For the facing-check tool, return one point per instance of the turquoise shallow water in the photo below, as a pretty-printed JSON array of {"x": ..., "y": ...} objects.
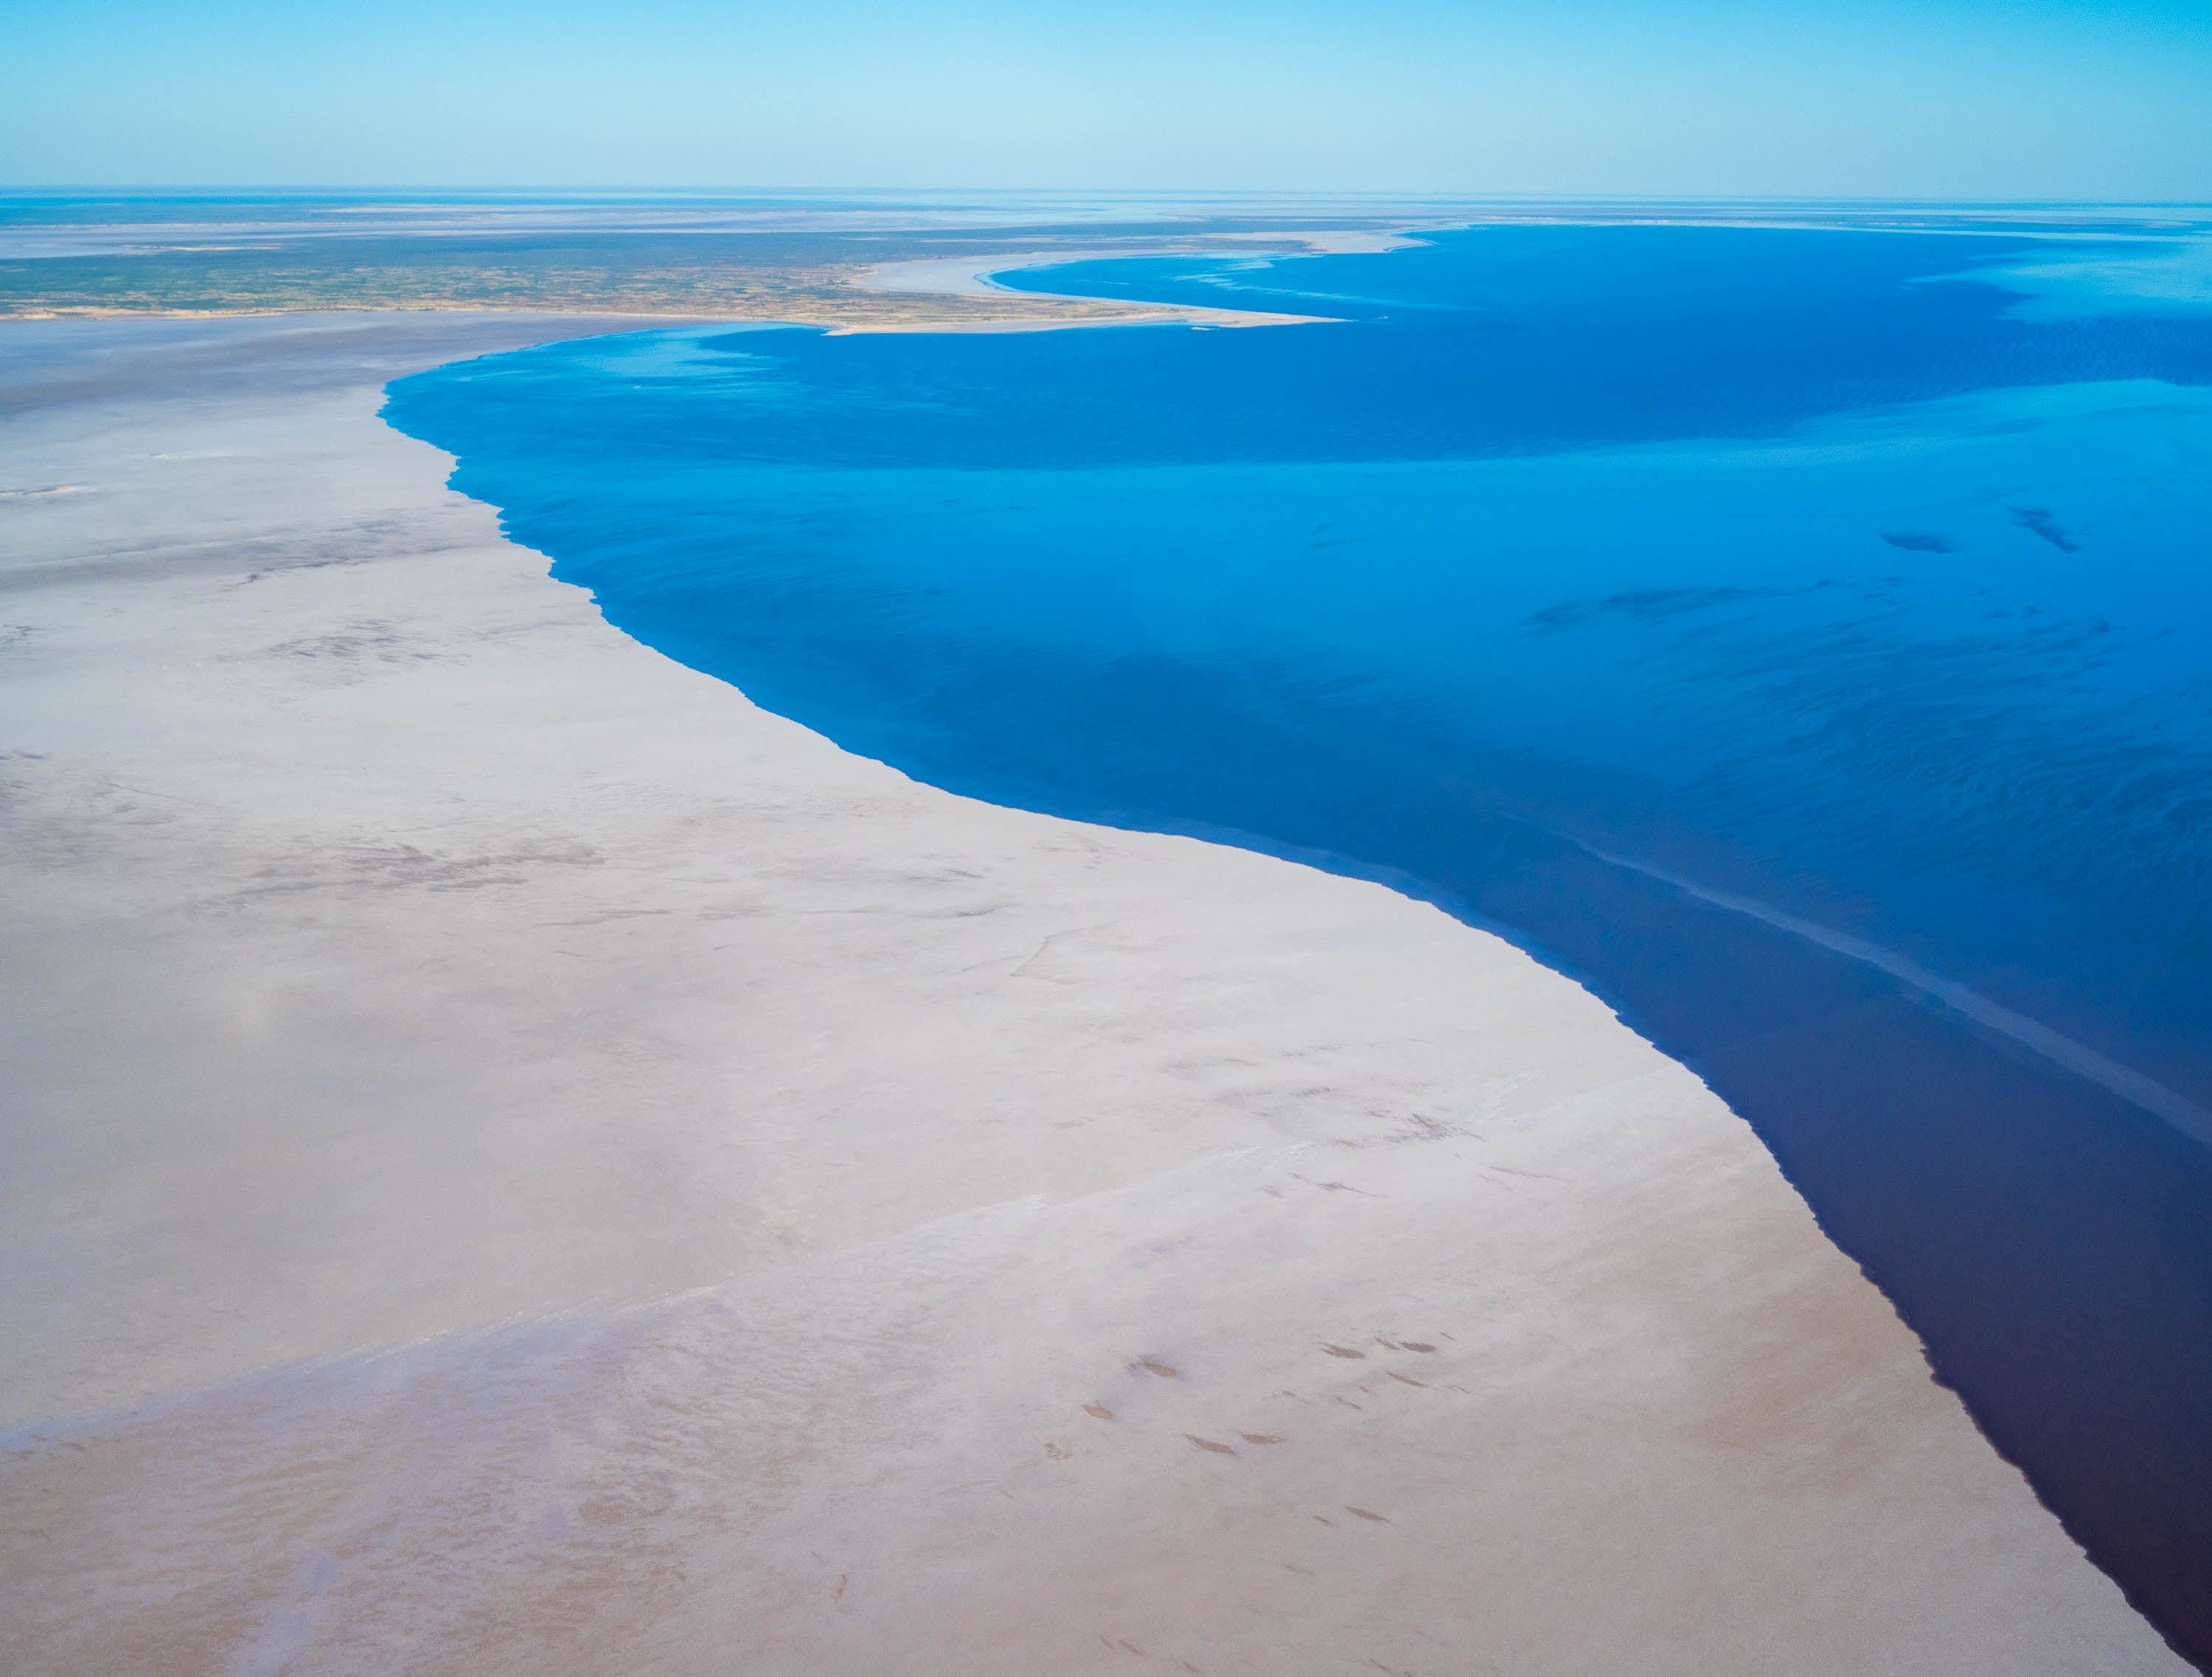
[{"x": 1809, "y": 647}]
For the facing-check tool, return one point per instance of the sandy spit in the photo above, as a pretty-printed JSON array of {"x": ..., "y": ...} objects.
[
  {"x": 971, "y": 276},
  {"x": 518, "y": 1161}
]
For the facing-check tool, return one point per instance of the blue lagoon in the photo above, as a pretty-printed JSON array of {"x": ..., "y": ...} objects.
[{"x": 1803, "y": 636}]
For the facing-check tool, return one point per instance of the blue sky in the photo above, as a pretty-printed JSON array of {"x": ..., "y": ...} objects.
[{"x": 1876, "y": 98}]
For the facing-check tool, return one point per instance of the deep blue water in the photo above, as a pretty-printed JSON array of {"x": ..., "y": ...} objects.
[{"x": 1785, "y": 631}]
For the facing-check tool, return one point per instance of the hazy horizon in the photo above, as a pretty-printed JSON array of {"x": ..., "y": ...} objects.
[{"x": 1952, "y": 101}]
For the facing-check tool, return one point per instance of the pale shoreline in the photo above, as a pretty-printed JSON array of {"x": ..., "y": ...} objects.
[
  {"x": 971, "y": 276},
  {"x": 523, "y": 1161}
]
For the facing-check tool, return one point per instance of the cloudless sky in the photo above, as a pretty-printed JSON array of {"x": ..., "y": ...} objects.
[{"x": 2063, "y": 99}]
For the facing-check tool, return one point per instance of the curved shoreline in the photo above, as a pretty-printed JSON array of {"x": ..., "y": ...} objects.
[
  {"x": 834, "y": 1150},
  {"x": 972, "y": 276}
]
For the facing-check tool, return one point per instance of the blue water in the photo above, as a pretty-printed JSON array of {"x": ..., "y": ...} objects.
[{"x": 1802, "y": 637}]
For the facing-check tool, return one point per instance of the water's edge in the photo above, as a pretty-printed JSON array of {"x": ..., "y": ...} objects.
[{"x": 2039, "y": 1229}]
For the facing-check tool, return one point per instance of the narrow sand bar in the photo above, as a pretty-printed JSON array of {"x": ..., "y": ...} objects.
[
  {"x": 971, "y": 276},
  {"x": 518, "y": 1161}
]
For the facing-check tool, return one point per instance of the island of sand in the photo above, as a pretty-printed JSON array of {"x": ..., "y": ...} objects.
[{"x": 518, "y": 1161}]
